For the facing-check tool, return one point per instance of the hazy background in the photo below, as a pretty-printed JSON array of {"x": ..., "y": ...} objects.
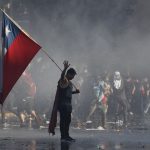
[{"x": 97, "y": 34}]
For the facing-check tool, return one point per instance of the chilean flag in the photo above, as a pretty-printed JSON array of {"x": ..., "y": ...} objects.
[{"x": 18, "y": 49}]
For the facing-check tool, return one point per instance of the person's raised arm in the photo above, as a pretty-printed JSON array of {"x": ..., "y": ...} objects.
[{"x": 66, "y": 65}]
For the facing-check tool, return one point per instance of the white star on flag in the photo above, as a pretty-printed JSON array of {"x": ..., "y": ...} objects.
[
  {"x": 7, "y": 31},
  {"x": 5, "y": 51}
]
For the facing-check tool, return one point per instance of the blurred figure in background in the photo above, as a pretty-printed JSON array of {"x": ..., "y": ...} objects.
[
  {"x": 100, "y": 103},
  {"x": 119, "y": 96}
]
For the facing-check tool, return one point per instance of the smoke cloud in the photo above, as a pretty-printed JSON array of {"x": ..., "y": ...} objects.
[{"x": 100, "y": 34}]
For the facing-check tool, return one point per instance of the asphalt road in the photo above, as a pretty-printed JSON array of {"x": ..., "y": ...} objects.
[{"x": 39, "y": 139}]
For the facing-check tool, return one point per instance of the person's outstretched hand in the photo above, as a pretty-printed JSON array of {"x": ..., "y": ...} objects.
[
  {"x": 66, "y": 64},
  {"x": 77, "y": 91}
]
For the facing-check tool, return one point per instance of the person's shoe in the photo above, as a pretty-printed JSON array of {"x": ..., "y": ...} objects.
[
  {"x": 100, "y": 128},
  {"x": 64, "y": 140},
  {"x": 88, "y": 121},
  {"x": 71, "y": 139},
  {"x": 67, "y": 139}
]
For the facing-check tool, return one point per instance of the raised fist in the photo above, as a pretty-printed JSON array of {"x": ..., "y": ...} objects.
[{"x": 66, "y": 64}]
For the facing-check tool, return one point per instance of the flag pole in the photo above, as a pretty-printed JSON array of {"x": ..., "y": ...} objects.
[
  {"x": 1, "y": 64},
  {"x": 55, "y": 64},
  {"x": 51, "y": 59}
]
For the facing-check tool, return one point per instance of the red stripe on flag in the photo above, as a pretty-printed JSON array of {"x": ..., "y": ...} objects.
[{"x": 17, "y": 58}]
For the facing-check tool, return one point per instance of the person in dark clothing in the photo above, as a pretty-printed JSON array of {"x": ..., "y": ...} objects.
[
  {"x": 120, "y": 96},
  {"x": 65, "y": 88},
  {"x": 146, "y": 86},
  {"x": 129, "y": 89},
  {"x": 138, "y": 108}
]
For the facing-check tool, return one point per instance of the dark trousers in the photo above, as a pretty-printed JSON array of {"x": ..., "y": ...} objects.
[
  {"x": 65, "y": 120},
  {"x": 103, "y": 118},
  {"x": 122, "y": 109}
]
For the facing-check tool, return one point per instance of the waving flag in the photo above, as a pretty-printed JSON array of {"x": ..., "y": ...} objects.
[{"x": 18, "y": 49}]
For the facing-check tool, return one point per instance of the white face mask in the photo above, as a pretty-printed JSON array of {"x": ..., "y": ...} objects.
[
  {"x": 117, "y": 84},
  {"x": 117, "y": 77}
]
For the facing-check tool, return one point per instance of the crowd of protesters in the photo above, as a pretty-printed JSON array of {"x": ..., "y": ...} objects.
[
  {"x": 106, "y": 99},
  {"x": 110, "y": 98}
]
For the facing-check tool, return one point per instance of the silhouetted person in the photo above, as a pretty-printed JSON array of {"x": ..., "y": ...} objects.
[{"x": 63, "y": 103}]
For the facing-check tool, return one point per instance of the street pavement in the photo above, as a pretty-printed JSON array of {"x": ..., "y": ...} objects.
[{"x": 92, "y": 139}]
